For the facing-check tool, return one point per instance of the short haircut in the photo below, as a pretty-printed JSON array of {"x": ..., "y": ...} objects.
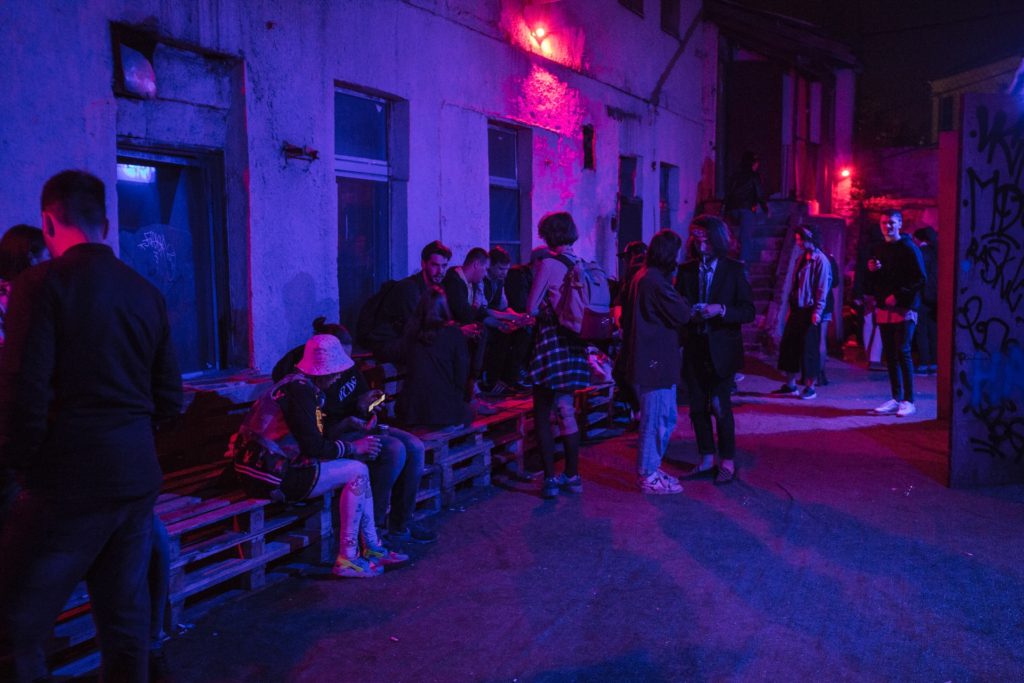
[
  {"x": 718, "y": 234},
  {"x": 809, "y": 233},
  {"x": 19, "y": 245},
  {"x": 893, "y": 213},
  {"x": 499, "y": 256},
  {"x": 475, "y": 255},
  {"x": 663, "y": 253},
  {"x": 435, "y": 247},
  {"x": 558, "y": 229},
  {"x": 76, "y": 198}
]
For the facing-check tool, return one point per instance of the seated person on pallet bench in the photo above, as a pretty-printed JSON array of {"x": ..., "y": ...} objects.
[
  {"x": 398, "y": 303},
  {"x": 281, "y": 452},
  {"x": 508, "y": 339},
  {"x": 395, "y": 475}
]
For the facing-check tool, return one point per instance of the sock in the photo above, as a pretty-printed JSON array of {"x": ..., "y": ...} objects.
[{"x": 706, "y": 462}]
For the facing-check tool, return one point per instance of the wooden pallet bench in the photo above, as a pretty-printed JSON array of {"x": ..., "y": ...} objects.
[
  {"x": 221, "y": 543},
  {"x": 463, "y": 457}
]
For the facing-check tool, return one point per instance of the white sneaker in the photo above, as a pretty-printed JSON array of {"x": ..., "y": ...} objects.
[
  {"x": 906, "y": 408},
  {"x": 887, "y": 408},
  {"x": 659, "y": 483}
]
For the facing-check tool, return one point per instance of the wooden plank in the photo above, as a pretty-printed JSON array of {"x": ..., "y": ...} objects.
[
  {"x": 219, "y": 572},
  {"x": 228, "y": 540},
  {"x": 216, "y": 514}
]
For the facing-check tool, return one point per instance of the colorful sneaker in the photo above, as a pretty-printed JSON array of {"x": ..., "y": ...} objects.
[
  {"x": 572, "y": 484},
  {"x": 383, "y": 557},
  {"x": 905, "y": 409},
  {"x": 356, "y": 568},
  {"x": 888, "y": 408},
  {"x": 552, "y": 486},
  {"x": 659, "y": 483},
  {"x": 808, "y": 393},
  {"x": 786, "y": 390}
]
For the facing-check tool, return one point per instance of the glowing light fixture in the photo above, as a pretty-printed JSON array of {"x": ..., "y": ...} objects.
[
  {"x": 539, "y": 32},
  {"x": 845, "y": 173},
  {"x": 545, "y": 46}
]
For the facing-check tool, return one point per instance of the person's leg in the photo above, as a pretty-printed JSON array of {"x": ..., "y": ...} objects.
[
  {"x": 354, "y": 479},
  {"x": 42, "y": 558},
  {"x": 119, "y": 594},
  {"x": 904, "y": 336},
  {"x": 159, "y": 574},
  {"x": 811, "y": 361},
  {"x": 384, "y": 471},
  {"x": 697, "y": 377},
  {"x": 543, "y": 403},
  {"x": 657, "y": 420},
  {"x": 403, "y": 495},
  {"x": 823, "y": 350},
  {"x": 569, "y": 431},
  {"x": 891, "y": 351},
  {"x": 725, "y": 425},
  {"x": 669, "y": 417}
]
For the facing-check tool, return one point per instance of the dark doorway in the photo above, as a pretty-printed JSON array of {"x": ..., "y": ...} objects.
[
  {"x": 363, "y": 253},
  {"x": 631, "y": 206}
]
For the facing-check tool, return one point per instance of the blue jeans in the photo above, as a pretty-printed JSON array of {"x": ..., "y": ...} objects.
[
  {"x": 56, "y": 543},
  {"x": 658, "y": 415},
  {"x": 159, "y": 575},
  {"x": 896, "y": 340}
]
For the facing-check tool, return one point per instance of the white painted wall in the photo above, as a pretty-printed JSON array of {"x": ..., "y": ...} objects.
[{"x": 456, "y": 62}]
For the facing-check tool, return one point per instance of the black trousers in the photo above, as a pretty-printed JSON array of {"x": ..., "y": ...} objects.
[
  {"x": 57, "y": 542},
  {"x": 709, "y": 394},
  {"x": 800, "y": 348},
  {"x": 896, "y": 340}
]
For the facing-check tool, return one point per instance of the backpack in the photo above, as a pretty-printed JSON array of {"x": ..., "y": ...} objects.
[
  {"x": 369, "y": 317},
  {"x": 585, "y": 303}
]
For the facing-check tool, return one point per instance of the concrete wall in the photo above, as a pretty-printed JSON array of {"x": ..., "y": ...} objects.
[
  {"x": 899, "y": 172},
  {"x": 457, "y": 63}
]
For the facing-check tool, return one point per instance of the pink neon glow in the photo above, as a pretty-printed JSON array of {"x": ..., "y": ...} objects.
[
  {"x": 540, "y": 32},
  {"x": 545, "y": 47},
  {"x": 559, "y": 43},
  {"x": 542, "y": 99},
  {"x": 845, "y": 173}
]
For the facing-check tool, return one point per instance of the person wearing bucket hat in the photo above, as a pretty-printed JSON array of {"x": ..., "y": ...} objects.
[{"x": 281, "y": 452}]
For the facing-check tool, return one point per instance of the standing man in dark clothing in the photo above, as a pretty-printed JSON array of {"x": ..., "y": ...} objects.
[
  {"x": 722, "y": 300},
  {"x": 896, "y": 278},
  {"x": 653, "y": 318},
  {"x": 744, "y": 196},
  {"x": 88, "y": 368},
  {"x": 400, "y": 303}
]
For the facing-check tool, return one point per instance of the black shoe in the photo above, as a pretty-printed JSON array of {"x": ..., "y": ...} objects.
[{"x": 413, "y": 534}]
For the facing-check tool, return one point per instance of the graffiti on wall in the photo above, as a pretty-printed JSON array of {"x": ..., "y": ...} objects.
[{"x": 989, "y": 316}]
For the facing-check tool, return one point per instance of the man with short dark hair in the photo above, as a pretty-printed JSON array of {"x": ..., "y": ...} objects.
[
  {"x": 88, "y": 368},
  {"x": 400, "y": 303},
  {"x": 508, "y": 339},
  {"x": 464, "y": 287}
]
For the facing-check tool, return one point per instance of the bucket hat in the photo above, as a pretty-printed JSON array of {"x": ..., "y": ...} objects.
[{"x": 323, "y": 355}]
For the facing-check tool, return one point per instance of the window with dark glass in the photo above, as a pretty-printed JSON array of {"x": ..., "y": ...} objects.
[
  {"x": 670, "y": 16},
  {"x": 668, "y": 195},
  {"x": 502, "y": 158},
  {"x": 363, "y": 176},
  {"x": 634, "y": 5},
  {"x": 171, "y": 230}
]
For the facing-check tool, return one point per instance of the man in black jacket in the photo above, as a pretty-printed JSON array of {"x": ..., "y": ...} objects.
[
  {"x": 400, "y": 303},
  {"x": 717, "y": 287},
  {"x": 88, "y": 368},
  {"x": 896, "y": 278}
]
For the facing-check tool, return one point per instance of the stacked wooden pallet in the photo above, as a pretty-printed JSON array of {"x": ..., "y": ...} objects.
[{"x": 462, "y": 456}]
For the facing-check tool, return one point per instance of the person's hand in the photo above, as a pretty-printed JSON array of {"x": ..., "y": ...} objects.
[
  {"x": 366, "y": 399},
  {"x": 507, "y": 326},
  {"x": 874, "y": 265},
  {"x": 815, "y": 318},
  {"x": 352, "y": 424},
  {"x": 368, "y": 446},
  {"x": 471, "y": 331},
  {"x": 712, "y": 310},
  {"x": 890, "y": 301}
]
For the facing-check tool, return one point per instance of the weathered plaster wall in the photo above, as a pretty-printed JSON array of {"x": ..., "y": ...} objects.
[{"x": 455, "y": 62}]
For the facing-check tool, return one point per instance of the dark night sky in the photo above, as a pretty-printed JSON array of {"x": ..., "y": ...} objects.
[{"x": 902, "y": 45}]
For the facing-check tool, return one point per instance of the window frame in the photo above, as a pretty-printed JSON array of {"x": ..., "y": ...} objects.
[{"x": 521, "y": 183}]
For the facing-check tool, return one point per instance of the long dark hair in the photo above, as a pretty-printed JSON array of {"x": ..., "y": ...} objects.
[
  {"x": 718, "y": 234},
  {"x": 432, "y": 313},
  {"x": 664, "y": 251},
  {"x": 19, "y": 246}
]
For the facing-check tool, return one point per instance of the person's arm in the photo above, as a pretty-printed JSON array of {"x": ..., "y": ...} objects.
[
  {"x": 25, "y": 378},
  {"x": 663, "y": 302},
  {"x": 741, "y": 309},
  {"x": 458, "y": 298},
  {"x": 915, "y": 276},
  {"x": 822, "y": 286},
  {"x": 545, "y": 274},
  {"x": 298, "y": 402},
  {"x": 166, "y": 377}
]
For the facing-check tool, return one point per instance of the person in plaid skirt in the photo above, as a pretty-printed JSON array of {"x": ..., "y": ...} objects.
[{"x": 559, "y": 364}]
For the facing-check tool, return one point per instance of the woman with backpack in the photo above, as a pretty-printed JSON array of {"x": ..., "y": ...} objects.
[{"x": 559, "y": 363}]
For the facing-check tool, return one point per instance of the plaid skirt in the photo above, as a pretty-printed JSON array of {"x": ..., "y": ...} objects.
[{"x": 559, "y": 359}]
